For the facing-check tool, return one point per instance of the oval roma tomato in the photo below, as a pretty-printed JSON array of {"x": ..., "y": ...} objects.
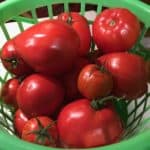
[
  {"x": 81, "y": 126},
  {"x": 115, "y": 30},
  {"x": 20, "y": 119},
  {"x": 12, "y": 60},
  {"x": 49, "y": 47},
  {"x": 93, "y": 82},
  {"x": 128, "y": 72},
  {"x": 39, "y": 95},
  {"x": 40, "y": 130},
  {"x": 70, "y": 80},
  {"x": 9, "y": 91},
  {"x": 80, "y": 24}
]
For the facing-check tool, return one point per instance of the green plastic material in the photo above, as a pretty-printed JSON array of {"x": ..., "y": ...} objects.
[{"x": 137, "y": 134}]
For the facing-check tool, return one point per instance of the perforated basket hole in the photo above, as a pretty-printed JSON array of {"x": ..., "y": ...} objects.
[
  {"x": 146, "y": 1},
  {"x": 42, "y": 12},
  {"x": 6, "y": 31},
  {"x": 57, "y": 9},
  {"x": 74, "y": 7}
]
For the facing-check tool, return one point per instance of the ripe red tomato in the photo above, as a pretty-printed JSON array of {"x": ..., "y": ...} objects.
[
  {"x": 20, "y": 119},
  {"x": 115, "y": 30},
  {"x": 70, "y": 80},
  {"x": 81, "y": 126},
  {"x": 12, "y": 60},
  {"x": 94, "y": 83},
  {"x": 39, "y": 95},
  {"x": 50, "y": 47},
  {"x": 128, "y": 72},
  {"x": 80, "y": 24},
  {"x": 148, "y": 70},
  {"x": 9, "y": 90},
  {"x": 41, "y": 130}
]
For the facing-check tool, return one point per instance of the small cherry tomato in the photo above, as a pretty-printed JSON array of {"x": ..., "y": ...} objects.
[
  {"x": 20, "y": 119},
  {"x": 40, "y": 130},
  {"x": 9, "y": 91}
]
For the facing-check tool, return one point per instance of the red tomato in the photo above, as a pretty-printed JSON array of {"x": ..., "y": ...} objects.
[
  {"x": 50, "y": 47},
  {"x": 12, "y": 60},
  {"x": 148, "y": 70},
  {"x": 81, "y": 126},
  {"x": 9, "y": 90},
  {"x": 39, "y": 95},
  {"x": 41, "y": 130},
  {"x": 20, "y": 119},
  {"x": 115, "y": 30},
  {"x": 94, "y": 83},
  {"x": 128, "y": 72},
  {"x": 80, "y": 24},
  {"x": 70, "y": 80}
]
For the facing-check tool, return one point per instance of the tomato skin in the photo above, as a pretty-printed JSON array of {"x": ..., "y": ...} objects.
[
  {"x": 9, "y": 90},
  {"x": 20, "y": 119},
  {"x": 94, "y": 83},
  {"x": 80, "y": 24},
  {"x": 80, "y": 126},
  {"x": 115, "y": 30},
  {"x": 39, "y": 95},
  {"x": 49, "y": 47},
  {"x": 70, "y": 80},
  {"x": 32, "y": 125},
  {"x": 12, "y": 60},
  {"x": 128, "y": 72}
]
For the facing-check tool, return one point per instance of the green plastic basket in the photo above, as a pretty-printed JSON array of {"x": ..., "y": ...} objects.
[{"x": 137, "y": 134}]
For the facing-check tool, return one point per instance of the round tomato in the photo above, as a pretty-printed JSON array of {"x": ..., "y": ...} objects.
[
  {"x": 9, "y": 91},
  {"x": 40, "y": 130},
  {"x": 82, "y": 126},
  {"x": 93, "y": 82},
  {"x": 50, "y": 47},
  {"x": 80, "y": 24},
  {"x": 115, "y": 30},
  {"x": 70, "y": 80},
  {"x": 20, "y": 119},
  {"x": 12, "y": 60},
  {"x": 39, "y": 95},
  {"x": 148, "y": 70},
  {"x": 128, "y": 72}
]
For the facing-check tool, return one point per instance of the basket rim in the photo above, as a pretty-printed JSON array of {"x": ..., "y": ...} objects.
[
  {"x": 131, "y": 143},
  {"x": 12, "y": 7},
  {"x": 128, "y": 144}
]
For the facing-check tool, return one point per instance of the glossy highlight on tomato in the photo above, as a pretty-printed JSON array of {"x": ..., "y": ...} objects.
[
  {"x": 81, "y": 126},
  {"x": 49, "y": 47},
  {"x": 12, "y": 61},
  {"x": 128, "y": 72},
  {"x": 39, "y": 95},
  {"x": 20, "y": 119},
  {"x": 115, "y": 30},
  {"x": 80, "y": 24}
]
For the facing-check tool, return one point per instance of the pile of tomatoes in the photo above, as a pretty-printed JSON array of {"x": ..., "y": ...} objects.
[{"x": 63, "y": 88}]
